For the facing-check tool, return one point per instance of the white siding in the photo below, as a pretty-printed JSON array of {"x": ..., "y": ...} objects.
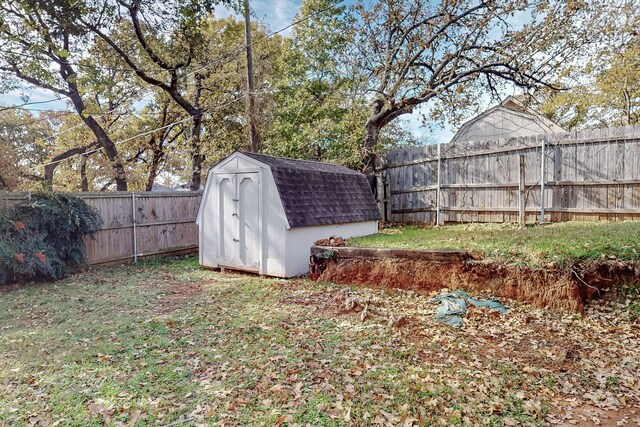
[
  {"x": 283, "y": 251},
  {"x": 273, "y": 220},
  {"x": 300, "y": 240},
  {"x": 501, "y": 123}
]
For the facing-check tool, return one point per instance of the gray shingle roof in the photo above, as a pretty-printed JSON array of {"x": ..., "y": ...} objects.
[{"x": 315, "y": 193}]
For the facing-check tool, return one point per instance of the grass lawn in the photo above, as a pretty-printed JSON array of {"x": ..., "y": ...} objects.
[
  {"x": 169, "y": 343},
  {"x": 557, "y": 243}
]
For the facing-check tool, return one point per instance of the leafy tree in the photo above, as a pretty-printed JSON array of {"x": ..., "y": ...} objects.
[
  {"x": 25, "y": 144},
  {"x": 604, "y": 89},
  {"x": 42, "y": 43},
  {"x": 167, "y": 53},
  {"x": 316, "y": 111},
  {"x": 319, "y": 105},
  {"x": 446, "y": 53}
]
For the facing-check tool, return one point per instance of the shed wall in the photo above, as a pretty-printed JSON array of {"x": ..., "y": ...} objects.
[
  {"x": 274, "y": 222},
  {"x": 300, "y": 240}
]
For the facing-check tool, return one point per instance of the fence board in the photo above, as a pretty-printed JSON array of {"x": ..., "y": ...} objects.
[
  {"x": 164, "y": 223},
  {"x": 589, "y": 175}
]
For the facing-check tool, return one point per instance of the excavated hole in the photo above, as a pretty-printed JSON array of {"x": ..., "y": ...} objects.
[{"x": 563, "y": 289}]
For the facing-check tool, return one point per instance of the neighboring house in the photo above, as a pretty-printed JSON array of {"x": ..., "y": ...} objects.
[
  {"x": 164, "y": 188},
  {"x": 160, "y": 187},
  {"x": 509, "y": 119},
  {"x": 262, "y": 213}
]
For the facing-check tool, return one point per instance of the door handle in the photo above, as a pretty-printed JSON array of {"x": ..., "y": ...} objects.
[
  {"x": 234, "y": 214},
  {"x": 236, "y": 240}
]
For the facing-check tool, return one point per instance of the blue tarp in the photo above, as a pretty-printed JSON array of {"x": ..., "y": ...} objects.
[{"x": 453, "y": 306}]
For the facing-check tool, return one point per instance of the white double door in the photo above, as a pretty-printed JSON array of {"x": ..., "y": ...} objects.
[{"x": 239, "y": 220}]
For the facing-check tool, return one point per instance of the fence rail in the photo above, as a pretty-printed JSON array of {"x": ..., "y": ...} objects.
[
  {"x": 136, "y": 224},
  {"x": 590, "y": 175}
]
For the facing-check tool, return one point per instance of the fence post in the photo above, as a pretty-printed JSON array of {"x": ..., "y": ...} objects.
[
  {"x": 133, "y": 224},
  {"x": 379, "y": 186},
  {"x": 521, "y": 199},
  {"x": 542, "y": 176},
  {"x": 438, "y": 187},
  {"x": 387, "y": 197}
]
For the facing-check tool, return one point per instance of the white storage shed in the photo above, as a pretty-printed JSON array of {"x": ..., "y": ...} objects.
[{"x": 262, "y": 213}]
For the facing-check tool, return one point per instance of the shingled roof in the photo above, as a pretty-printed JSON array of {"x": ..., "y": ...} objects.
[{"x": 315, "y": 193}]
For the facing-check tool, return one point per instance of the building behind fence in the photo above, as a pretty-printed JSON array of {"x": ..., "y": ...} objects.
[
  {"x": 136, "y": 224},
  {"x": 588, "y": 175}
]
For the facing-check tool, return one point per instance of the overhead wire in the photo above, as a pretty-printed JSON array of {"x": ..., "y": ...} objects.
[
  {"x": 88, "y": 66},
  {"x": 149, "y": 132},
  {"x": 268, "y": 36},
  {"x": 206, "y": 65},
  {"x": 13, "y": 107},
  {"x": 218, "y": 60}
]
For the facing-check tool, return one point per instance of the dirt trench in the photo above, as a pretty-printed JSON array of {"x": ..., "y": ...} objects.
[{"x": 563, "y": 289}]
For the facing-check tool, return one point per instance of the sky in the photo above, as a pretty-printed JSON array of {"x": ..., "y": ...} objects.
[
  {"x": 276, "y": 14},
  {"x": 280, "y": 13}
]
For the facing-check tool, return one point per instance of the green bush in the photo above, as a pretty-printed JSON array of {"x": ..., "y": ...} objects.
[{"x": 42, "y": 239}]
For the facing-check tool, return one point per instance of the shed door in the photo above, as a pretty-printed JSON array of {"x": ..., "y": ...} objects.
[{"x": 239, "y": 220}]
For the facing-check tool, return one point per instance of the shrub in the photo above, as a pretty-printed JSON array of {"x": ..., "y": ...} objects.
[{"x": 42, "y": 239}]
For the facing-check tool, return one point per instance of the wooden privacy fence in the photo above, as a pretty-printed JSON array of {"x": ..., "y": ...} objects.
[
  {"x": 136, "y": 224},
  {"x": 588, "y": 175}
]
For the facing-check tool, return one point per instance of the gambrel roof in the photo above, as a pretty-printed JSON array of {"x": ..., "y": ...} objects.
[
  {"x": 315, "y": 193},
  {"x": 510, "y": 119}
]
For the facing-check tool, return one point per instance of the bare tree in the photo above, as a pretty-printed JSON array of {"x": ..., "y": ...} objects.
[{"x": 416, "y": 52}]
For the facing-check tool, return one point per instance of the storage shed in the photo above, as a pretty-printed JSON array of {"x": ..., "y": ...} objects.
[{"x": 262, "y": 213}]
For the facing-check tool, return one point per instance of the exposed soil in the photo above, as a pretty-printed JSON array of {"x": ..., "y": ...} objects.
[
  {"x": 565, "y": 289},
  {"x": 590, "y": 416},
  {"x": 176, "y": 294}
]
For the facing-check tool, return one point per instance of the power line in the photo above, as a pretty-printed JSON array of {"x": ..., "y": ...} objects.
[
  {"x": 240, "y": 48},
  {"x": 144, "y": 133},
  {"x": 215, "y": 61},
  {"x": 209, "y": 64},
  {"x": 89, "y": 66},
  {"x": 75, "y": 126},
  {"x": 13, "y": 107}
]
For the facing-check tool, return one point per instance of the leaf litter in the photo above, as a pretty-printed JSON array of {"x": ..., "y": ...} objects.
[{"x": 170, "y": 343}]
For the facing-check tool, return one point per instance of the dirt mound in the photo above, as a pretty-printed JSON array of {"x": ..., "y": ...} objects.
[
  {"x": 567, "y": 289},
  {"x": 331, "y": 241}
]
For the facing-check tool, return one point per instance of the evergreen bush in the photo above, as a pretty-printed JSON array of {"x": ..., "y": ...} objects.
[{"x": 42, "y": 239}]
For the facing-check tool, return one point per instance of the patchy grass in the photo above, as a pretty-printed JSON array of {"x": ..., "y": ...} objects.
[
  {"x": 167, "y": 342},
  {"x": 558, "y": 243}
]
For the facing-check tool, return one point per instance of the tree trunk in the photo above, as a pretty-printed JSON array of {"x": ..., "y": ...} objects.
[
  {"x": 156, "y": 157},
  {"x": 371, "y": 134},
  {"x": 196, "y": 155},
  {"x": 196, "y": 149},
  {"x": 84, "y": 181},
  {"x": 51, "y": 166},
  {"x": 380, "y": 115},
  {"x": 119, "y": 174}
]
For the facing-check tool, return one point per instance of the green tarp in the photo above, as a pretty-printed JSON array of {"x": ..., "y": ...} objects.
[{"x": 453, "y": 306}]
